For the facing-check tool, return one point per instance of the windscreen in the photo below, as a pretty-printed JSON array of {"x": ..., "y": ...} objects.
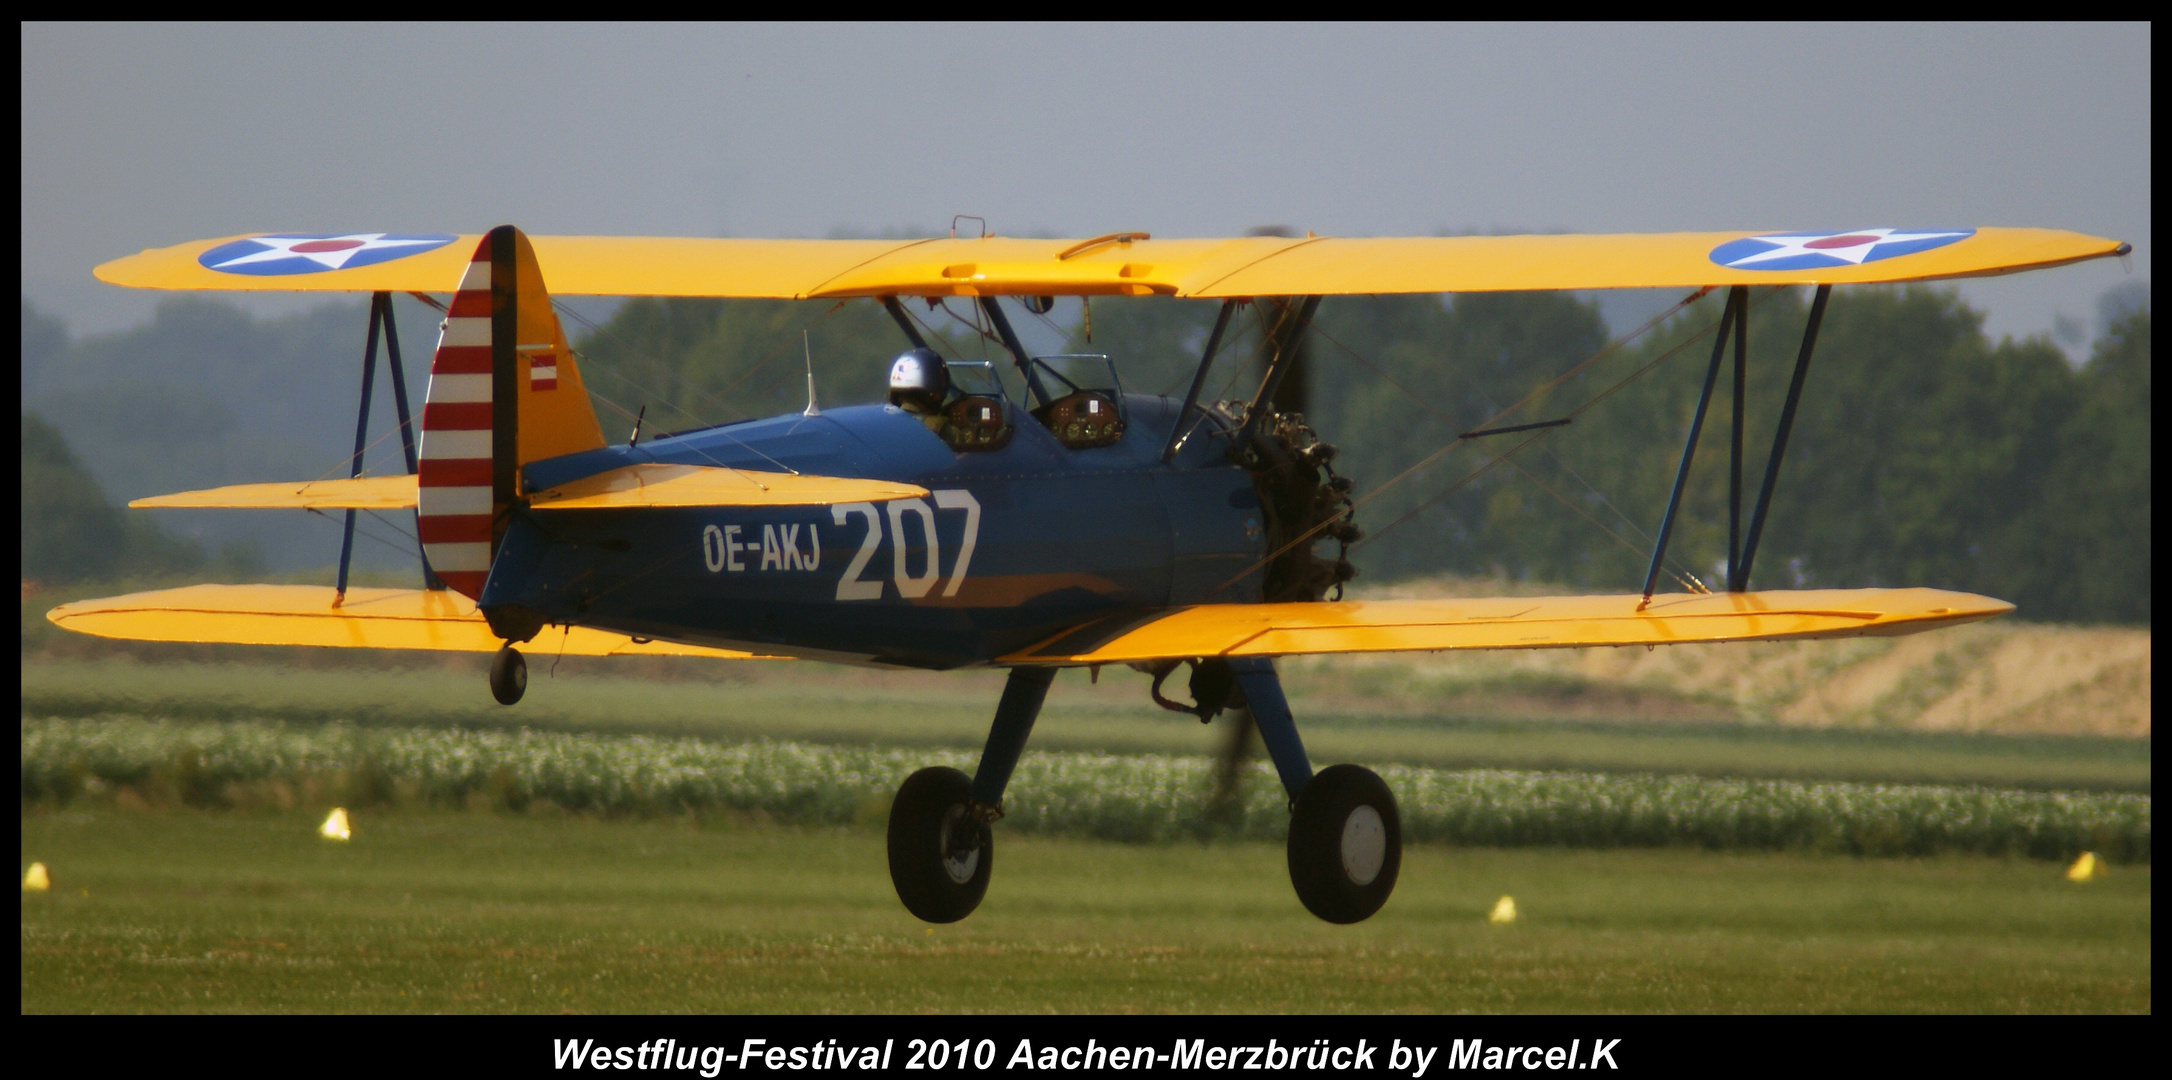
[
  {"x": 975, "y": 378},
  {"x": 1071, "y": 373}
]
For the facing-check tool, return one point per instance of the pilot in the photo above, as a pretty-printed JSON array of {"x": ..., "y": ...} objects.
[{"x": 920, "y": 384}]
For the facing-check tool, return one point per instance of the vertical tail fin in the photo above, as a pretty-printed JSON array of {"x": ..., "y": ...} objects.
[{"x": 504, "y": 391}]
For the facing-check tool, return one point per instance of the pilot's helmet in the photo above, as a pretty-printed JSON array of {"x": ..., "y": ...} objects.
[{"x": 919, "y": 377}]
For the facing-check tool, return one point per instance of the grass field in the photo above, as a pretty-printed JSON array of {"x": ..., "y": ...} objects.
[
  {"x": 646, "y": 906},
  {"x": 449, "y": 911}
]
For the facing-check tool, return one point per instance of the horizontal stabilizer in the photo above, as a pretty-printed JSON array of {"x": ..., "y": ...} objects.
[
  {"x": 710, "y": 485},
  {"x": 1523, "y": 622},
  {"x": 304, "y": 615},
  {"x": 360, "y": 493}
]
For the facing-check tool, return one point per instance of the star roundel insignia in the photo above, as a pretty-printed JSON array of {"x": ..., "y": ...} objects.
[
  {"x": 280, "y": 254},
  {"x": 1817, "y": 251}
]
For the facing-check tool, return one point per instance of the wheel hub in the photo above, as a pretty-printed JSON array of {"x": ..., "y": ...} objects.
[
  {"x": 1364, "y": 845},
  {"x": 961, "y": 844}
]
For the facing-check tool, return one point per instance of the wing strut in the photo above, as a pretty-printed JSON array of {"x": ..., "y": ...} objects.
[
  {"x": 1740, "y": 297},
  {"x": 1278, "y": 369},
  {"x": 1018, "y": 351},
  {"x": 1779, "y": 439},
  {"x": 904, "y": 322},
  {"x": 1728, "y": 318},
  {"x": 380, "y": 321},
  {"x": 1178, "y": 432}
]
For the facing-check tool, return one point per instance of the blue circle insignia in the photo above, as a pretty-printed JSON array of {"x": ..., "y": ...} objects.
[{"x": 282, "y": 254}]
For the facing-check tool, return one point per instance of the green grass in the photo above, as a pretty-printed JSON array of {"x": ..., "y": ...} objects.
[
  {"x": 825, "y": 704},
  {"x": 434, "y": 911},
  {"x": 1136, "y": 798}
]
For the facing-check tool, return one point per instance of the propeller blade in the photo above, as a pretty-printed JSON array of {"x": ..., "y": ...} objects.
[{"x": 1225, "y": 805}]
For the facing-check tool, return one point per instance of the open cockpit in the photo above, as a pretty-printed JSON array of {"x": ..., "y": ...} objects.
[{"x": 1077, "y": 397}]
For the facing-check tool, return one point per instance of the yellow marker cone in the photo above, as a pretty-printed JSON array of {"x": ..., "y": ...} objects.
[
  {"x": 2085, "y": 868},
  {"x": 37, "y": 880},
  {"x": 335, "y": 825},
  {"x": 1504, "y": 911}
]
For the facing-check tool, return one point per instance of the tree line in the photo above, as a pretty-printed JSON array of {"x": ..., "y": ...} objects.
[{"x": 1923, "y": 453}]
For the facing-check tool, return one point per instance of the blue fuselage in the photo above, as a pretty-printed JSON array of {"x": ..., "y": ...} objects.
[{"x": 1011, "y": 546}]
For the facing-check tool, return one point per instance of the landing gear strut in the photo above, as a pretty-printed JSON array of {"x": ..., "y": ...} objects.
[
  {"x": 1346, "y": 838},
  {"x": 941, "y": 850},
  {"x": 508, "y": 675},
  {"x": 1345, "y": 844}
]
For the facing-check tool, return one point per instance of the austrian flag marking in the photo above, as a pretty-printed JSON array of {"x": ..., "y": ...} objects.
[
  {"x": 543, "y": 371},
  {"x": 1819, "y": 251}
]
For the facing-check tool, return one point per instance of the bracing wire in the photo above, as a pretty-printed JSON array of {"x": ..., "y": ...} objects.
[
  {"x": 1578, "y": 411},
  {"x": 717, "y": 399},
  {"x": 650, "y": 394},
  {"x": 1600, "y": 495},
  {"x": 1564, "y": 465},
  {"x": 1536, "y": 393},
  {"x": 1600, "y": 525},
  {"x": 404, "y": 550}
]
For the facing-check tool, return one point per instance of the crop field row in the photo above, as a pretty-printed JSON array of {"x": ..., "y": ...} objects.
[
  {"x": 1100, "y": 796},
  {"x": 950, "y": 710}
]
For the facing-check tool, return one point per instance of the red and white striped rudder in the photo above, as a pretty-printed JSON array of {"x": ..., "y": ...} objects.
[
  {"x": 456, "y": 505},
  {"x": 504, "y": 391}
]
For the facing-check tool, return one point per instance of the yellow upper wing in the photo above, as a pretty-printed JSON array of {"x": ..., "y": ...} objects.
[
  {"x": 1249, "y": 266},
  {"x": 1536, "y": 622},
  {"x": 304, "y": 615}
]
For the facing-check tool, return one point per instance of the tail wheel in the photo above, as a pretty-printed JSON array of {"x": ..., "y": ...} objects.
[
  {"x": 941, "y": 852},
  {"x": 1346, "y": 844},
  {"x": 508, "y": 675}
]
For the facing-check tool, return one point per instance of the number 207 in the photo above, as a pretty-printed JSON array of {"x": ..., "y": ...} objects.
[{"x": 921, "y": 517}]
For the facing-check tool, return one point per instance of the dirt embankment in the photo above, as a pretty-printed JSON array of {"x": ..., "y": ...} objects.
[{"x": 2004, "y": 676}]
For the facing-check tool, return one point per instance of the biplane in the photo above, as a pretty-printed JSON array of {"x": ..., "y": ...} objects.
[{"x": 1031, "y": 519}]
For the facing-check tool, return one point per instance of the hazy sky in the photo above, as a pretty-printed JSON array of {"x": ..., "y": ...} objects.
[{"x": 136, "y": 137}]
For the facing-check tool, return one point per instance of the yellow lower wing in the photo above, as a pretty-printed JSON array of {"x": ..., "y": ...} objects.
[
  {"x": 1536, "y": 622},
  {"x": 304, "y": 615},
  {"x": 630, "y": 485}
]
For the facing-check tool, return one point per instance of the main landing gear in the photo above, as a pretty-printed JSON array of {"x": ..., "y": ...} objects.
[
  {"x": 508, "y": 675},
  {"x": 1345, "y": 843},
  {"x": 941, "y": 852}
]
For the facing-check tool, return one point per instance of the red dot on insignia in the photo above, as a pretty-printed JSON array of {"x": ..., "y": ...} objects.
[
  {"x": 311, "y": 247},
  {"x": 1825, "y": 244}
]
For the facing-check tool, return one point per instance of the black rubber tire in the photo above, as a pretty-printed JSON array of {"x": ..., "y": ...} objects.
[
  {"x": 1344, "y": 827},
  {"x": 930, "y": 813},
  {"x": 508, "y": 675}
]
